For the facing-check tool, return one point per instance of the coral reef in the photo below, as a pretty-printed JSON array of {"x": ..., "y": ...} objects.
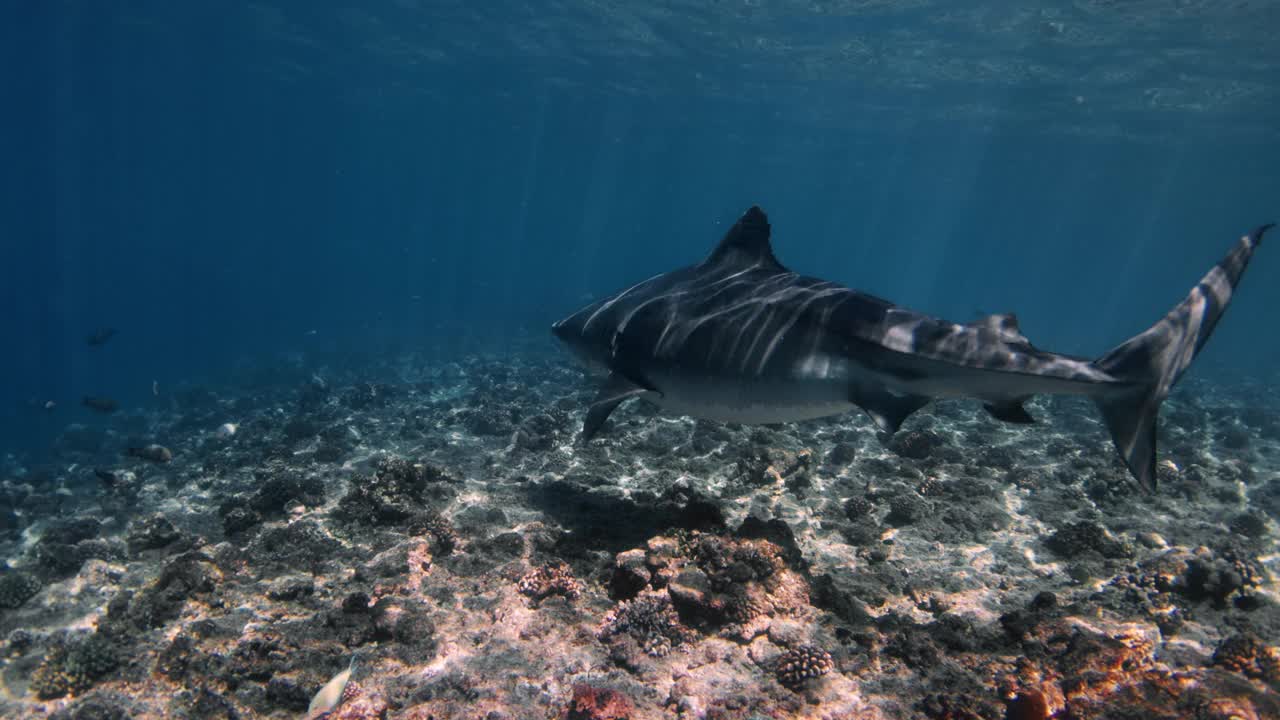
[
  {"x": 550, "y": 579},
  {"x": 439, "y": 530},
  {"x": 802, "y": 664},
  {"x": 592, "y": 703},
  {"x": 16, "y": 588},
  {"x": 72, "y": 666}
]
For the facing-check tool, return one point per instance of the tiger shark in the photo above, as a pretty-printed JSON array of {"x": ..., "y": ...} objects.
[{"x": 739, "y": 338}]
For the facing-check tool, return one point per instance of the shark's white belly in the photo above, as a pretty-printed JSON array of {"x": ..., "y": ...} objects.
[{"x": 751, "y": 401}]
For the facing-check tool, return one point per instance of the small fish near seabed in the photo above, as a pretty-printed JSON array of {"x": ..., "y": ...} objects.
[
  {"x": 331, "y": 695},
  {"x": 151, "y": 453},
  {"x": 740, "y": 338},
  {"x": 100, "y": 337},
  {"x": 100, "y": 404}
]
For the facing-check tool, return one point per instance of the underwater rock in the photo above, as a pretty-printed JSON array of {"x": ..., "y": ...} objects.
[
  {"x": 203, "y": 703},
  {"x": 70, "y": 532},
  {"x": 630, "y": 574},
  {"x": 300, "y": 545},
  {"x": 151, "y": 533},
  {"x": 288, "y": 693},
  {"x": 397, "y": 491},
  {"x": 603, "y": 518},
  {"x": 238, "y": 518},
  {"x": 172, "y": 662},
  {"x": 1087, "y": 537},
  {"x": 96, "y": 706},
  {"x": 1234, "y": 438},
  {"x": 281, "y": 487},
  {"x": 487, "y": 420},
  {"x": 189, "y": 576},
  {"x": 1267, "y": 498},
  {"x": 298, "y": 429},
  {"x": 291, "y": 588},
  {"x": 538, "y": 433},
  {"x": 406, "y": 624}
]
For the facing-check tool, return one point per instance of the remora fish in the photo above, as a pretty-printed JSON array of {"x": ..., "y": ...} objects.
[{"x": 739, "y": 338}]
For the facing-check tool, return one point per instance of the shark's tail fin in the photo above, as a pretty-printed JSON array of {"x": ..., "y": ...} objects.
[{"x": 1154, "y": 360}]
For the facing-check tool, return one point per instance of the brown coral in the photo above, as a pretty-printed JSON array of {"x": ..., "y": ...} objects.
[
  {"x": 594, "y": 703},
  {"x": 550, "y": 579},
  {"x": 802, "y": 664},
  {"x": 1248, "y": 655},
  {"x": 651, "y": 620}
]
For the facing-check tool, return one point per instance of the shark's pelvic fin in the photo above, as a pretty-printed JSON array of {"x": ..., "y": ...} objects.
[
  {"x": 1151, "y": 362},
  {"x": 746, "y": 244},
  {"x": 617, "y": 389},
  {"x": 888, "y": 410}
]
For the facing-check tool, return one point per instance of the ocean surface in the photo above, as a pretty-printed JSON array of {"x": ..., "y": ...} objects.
[{"x": 345, "y": 229}]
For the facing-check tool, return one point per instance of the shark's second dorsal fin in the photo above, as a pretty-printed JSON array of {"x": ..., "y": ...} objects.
[
  {"x": 1005, "y": 325},
  {"x": 746, "y": 244}
]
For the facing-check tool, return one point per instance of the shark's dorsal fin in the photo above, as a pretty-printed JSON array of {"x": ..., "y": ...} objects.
[
  {"x": 1005, "y": 325},
  {"x": 746, "y": 244}
]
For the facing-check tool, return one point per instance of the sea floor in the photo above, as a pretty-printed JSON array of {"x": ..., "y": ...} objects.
[{"x": 447, "y": 530}]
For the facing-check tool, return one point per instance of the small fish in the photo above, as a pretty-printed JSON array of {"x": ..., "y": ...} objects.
[
  {"x": 331, "y": 694},
  {"x": 154, "y": 453},
  {"x": 101, "y": 404},
  {"x": 227, "y": 429},
  {"x": 155, "y": 388},
  {"x": 100, "y": 337},
  {"x": 108, "y": 478},
  {"x": 49, "y": 404}
]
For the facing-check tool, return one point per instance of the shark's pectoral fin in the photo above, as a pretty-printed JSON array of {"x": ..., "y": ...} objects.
[
  {"x": 888, "y": 411},
  {"x": 1010, "y": 412},
  {"x": 617, "y": 390}
]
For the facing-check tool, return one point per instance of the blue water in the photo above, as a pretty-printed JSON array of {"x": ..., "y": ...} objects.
[{"x": 234, "y": 185}]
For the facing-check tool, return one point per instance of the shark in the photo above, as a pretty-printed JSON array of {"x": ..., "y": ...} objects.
[{"x": 739, "y": 338}]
